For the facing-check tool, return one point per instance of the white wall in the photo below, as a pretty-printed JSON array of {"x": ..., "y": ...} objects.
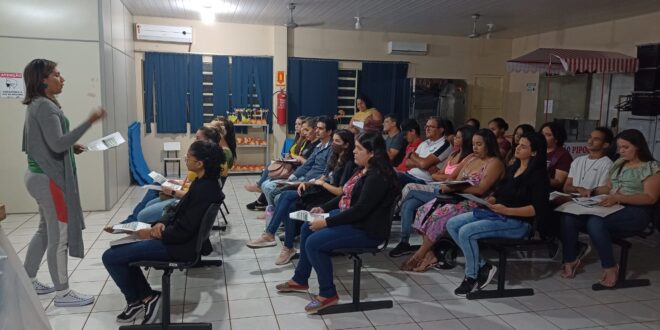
[
  {"x": 92, "y": 43},
  {"x": 118, "y": 72},
  {"x": 67, "y": 35}
]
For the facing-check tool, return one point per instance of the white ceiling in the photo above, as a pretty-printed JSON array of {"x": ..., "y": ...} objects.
[{"x": 512, "y": 18}]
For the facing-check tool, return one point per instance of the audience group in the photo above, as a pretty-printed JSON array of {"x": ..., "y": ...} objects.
[{"x": 424, "y": 179}]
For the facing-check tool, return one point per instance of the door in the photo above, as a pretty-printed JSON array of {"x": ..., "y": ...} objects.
[{"x": 487, "y": 95}]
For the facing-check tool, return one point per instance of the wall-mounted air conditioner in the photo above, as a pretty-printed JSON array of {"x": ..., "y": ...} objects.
[
  {"x": 406, "y": 48},
  {"x": 178, "y": 34}
]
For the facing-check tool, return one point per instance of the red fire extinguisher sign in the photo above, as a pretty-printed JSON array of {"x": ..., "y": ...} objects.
[{"x": 281, "y": 107}]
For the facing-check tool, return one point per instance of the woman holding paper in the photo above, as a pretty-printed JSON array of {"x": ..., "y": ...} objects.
[
  {"x": 634, "y": 183},
  {"x": 359, "y": 218},
  {"x": 52, "y": 181},
  {"x": 518, "y": 199}
]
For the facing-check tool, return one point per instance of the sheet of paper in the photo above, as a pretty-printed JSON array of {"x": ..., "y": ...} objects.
[
  {"x": 475, "y": 199},
  {"x": 358, "y": 124},
  {"x": 577, "y": 209},
  {"x": 111, "y": 141},
  {"x": 131, "y": 227},
  {"x": 157, "y": 177},
  {"x": 307, "y": 216},
  {"x": 153, "y": 187}
]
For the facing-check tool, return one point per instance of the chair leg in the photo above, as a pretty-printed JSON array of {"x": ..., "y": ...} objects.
[
  {"x": 622, "y": 282},
  {"x": 165, "y": 298},
  {"x": 356, "y": 304},
  {"x": 225, "y": 205},
  {"x": 221, "y": 227},
  {"x": 502, "y": 291}
]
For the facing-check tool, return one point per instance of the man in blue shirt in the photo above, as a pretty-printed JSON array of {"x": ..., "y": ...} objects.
[{"x": 315, "y": 165}]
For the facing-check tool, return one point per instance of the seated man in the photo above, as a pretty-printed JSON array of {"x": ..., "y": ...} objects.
[
  {"x": 410, "y": 129},
  {"x": 434, "y": 150},
  {"x": 395, "y": 141},
  {"x": 168, "y": 239},
  {"x": 315, "y": 165}
]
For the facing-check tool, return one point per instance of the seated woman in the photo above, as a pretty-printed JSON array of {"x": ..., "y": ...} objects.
[
  {"x": 341, "y": 167},
  {"x": 361, "y": 221},
  {"x": 229, "y": 156},
  {"x": 634, "y": 183},
  {"x": 499, "y": 127},
  {"x": 154, "y": 202},
  {"x": 311, "y": 141},
  {"x": 366, "y": 117},
  {"x": 482, "y": 171},
  {"x": 521, "y": 129},
  {"x": 415, "y": 195},
  {"x": 521, "y": 196},
  {"x": 174, "y": 238}
]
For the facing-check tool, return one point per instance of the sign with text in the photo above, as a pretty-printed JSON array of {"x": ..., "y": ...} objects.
[
  {"x": 11, "y": 85},
  {"x": 576, "y": 149},
  {"x": 280, "y": 79}
]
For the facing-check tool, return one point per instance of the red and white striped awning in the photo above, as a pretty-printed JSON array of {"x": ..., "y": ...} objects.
[{"x": 556, "y": 60}]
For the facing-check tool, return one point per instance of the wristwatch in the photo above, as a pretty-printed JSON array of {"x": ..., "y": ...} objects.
[{"x": 173, "y": 194}]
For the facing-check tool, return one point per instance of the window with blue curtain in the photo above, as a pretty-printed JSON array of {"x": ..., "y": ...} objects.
[
  {"x": 386, "y": 85},
  {"x": 195, "y": 91},
  {"x": 312, "y": 88},
  {"x": 220, "y": 85}
]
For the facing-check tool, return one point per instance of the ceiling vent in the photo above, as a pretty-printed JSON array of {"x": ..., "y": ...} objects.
[
  {"x": 165, "y": 33},
  {"x": 407, "y": 48}
]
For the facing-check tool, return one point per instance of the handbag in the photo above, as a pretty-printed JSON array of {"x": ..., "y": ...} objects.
[
  {"x": 314, "y": 196},
  {"x": 279, "y": 170}
]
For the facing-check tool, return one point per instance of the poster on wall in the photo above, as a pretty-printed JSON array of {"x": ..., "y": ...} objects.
[{"x": 11, "y": 85}]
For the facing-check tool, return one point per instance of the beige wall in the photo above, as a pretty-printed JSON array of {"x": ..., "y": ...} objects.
[
  {"x": 449, "y": 57},
  {"x": 619, "y": 35}
]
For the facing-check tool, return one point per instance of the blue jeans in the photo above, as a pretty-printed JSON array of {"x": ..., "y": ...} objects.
[
  {"x": 409, "y": 205},
  {"x": 269, "y": 188},
  {"x": 624, "y": 223},
  {"x": 264, "y": 177},
  {"x": 151, "y": 194},
  {"x": 405, "y": 178},
  {"x": 285, "y": 205},
  {"x": 466, "y": 230},
  {"x": 153, "y": 211},
  {"x": 315, "y": 249},
  {"x": 131, "y": 280}
]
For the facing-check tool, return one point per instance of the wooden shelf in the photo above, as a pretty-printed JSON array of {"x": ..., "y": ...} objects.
[{"x": 252, "y": 145}]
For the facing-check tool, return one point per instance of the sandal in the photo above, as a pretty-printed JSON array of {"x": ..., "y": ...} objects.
[
  {"x": 316, "y": 304},
  {"x": 428, "y": 262},
  {"x": 604, "y": 283},
  {"x": 570, "y": 268},
  {"x": 410, "y": 264}
]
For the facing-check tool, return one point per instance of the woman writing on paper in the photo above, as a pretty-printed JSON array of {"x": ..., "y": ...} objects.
[
  {"x": 634, "y": 183},
  {"x": 51, "y": 179}
]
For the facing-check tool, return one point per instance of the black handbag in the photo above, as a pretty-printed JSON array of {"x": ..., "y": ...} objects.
[{"x": 314, "y": 196}]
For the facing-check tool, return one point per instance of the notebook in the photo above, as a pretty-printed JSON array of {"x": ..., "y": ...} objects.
[{"x": 307, "y": 216}]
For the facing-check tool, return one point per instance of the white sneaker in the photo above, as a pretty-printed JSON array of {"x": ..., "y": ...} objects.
[
  {"x": 73, "y": 299},
  {"x": 261, "y": 242},
  {"x": 285, "y": 256},
  {"x": 42, "y": 288}
]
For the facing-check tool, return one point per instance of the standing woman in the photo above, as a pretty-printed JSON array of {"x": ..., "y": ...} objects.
[{"x": 52, "y": 181}]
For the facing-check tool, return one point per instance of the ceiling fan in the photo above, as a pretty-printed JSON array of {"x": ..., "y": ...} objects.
[
  {"x": 291, "y": 23},
  {"x": 475, "y": 34}
]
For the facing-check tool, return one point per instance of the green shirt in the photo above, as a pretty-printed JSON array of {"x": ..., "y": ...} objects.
[
  {"x": 629, "y": 180},
  {"x": 34, "y": 167}
]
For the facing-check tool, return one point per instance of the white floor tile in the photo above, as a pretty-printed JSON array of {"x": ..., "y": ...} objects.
[
  {"x": 525, "y": 321},
  {"x": 251, "y": 323},
  {"x": 250, "y": 308},
  {"x": 491, "y": 322}
]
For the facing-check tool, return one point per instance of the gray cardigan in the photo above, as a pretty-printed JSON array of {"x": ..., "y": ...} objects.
[{"x": 47, "y": 141}]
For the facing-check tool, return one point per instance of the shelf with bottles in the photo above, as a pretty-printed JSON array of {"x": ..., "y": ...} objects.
[
  {"x": 247, "y": 169},
  {"x": 248, "y": 116}
]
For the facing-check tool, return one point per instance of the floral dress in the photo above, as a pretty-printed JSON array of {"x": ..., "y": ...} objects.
[{"x": 433, "y": 226}]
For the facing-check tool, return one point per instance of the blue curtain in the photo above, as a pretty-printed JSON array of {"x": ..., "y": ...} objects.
[
  {"x": 242, "y": 78},
  {"x": 312, "y": 89},
  {"x": 149, "y": 64},
  {"x": 263, "y": 78},
  {"x": 387, "y": 86},
  {"x": 171, "y": 88},
  {"x": 195, "y": 90},
  {"x": 220, "y": 85}
]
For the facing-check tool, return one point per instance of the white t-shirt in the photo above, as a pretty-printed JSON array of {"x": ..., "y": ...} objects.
[
  {"x": 589, "y": 173},
  {"x": 441, "y": 148}
]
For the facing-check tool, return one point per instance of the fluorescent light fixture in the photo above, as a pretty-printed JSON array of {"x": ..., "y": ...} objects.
[
  {"x": 209, "y": 8},
  {"x": 207, "y": 15},
  {"x": 358, "y": 24}
]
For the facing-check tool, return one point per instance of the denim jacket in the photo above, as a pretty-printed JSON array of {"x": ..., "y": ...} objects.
[{"x": 316, "y": 164}]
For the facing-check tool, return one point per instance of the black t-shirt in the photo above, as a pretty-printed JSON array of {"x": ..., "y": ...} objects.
[{"x": 526, "y": 189}]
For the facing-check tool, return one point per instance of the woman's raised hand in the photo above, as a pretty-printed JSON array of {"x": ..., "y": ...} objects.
[{"x": 97, "y": 113}]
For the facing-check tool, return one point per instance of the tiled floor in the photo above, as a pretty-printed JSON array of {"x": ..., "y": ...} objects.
[{"x": 241, "y": 294}]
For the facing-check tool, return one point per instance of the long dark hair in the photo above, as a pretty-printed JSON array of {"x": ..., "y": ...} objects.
[
  {"x": 211, "y": 155},
  {"x": 467, "y": 132},
  {"x": 230, "y": 136},
  {"x": 492, "y": 149},
  {"x": 33, "y": 75},
  {"x": 558, "y": 132},
  {"x": 539, "y": 145},
  {"x": 380, "y": 162},
  {"x": 637, "y": 139},
  {"x": 339, "y": 159},
  {"x": 526, "y": 128}
]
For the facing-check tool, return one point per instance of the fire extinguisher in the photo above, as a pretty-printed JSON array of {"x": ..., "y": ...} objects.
[{"x": 281, "y": 107}]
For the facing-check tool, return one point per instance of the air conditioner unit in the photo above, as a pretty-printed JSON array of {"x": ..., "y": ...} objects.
[
  {"x": 406, "y": 48},
  {"x": 178, "y": 34}
]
